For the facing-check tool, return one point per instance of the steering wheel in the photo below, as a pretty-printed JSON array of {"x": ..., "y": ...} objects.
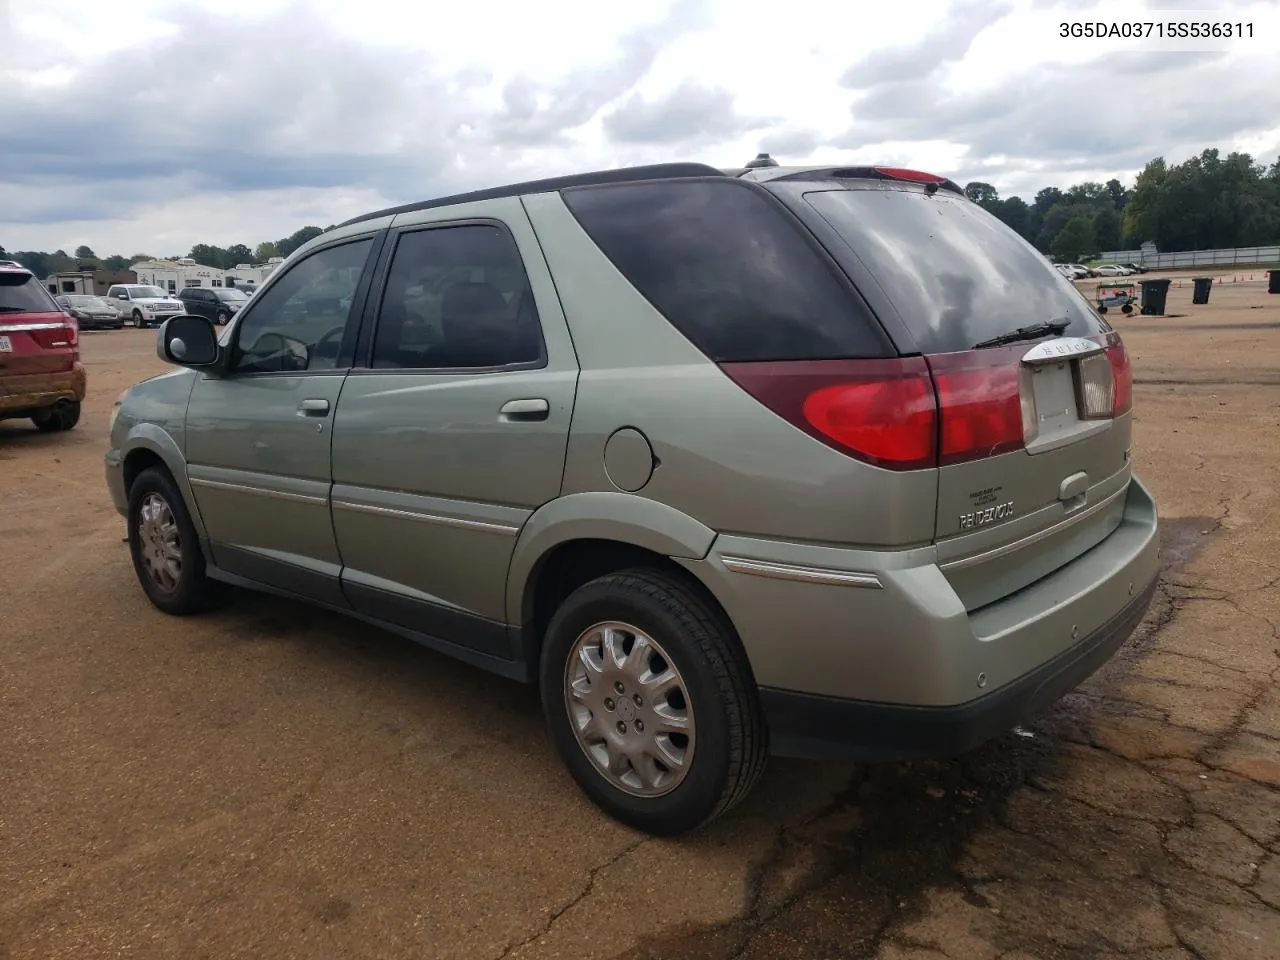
[{"x": 335, "y": 332}]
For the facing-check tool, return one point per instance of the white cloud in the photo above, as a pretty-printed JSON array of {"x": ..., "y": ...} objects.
[{"x": 150, "y": 125}]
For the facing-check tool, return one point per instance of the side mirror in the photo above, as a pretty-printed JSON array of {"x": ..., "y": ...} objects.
[{"x": 188, "y": 341}]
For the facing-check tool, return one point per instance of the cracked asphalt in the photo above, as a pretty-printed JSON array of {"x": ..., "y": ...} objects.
[{"x": 272, "y": 781}]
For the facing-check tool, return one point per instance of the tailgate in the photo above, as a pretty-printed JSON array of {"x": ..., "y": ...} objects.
[
  {"x": 1005, "y": 521},
  {"x": 35, "y": 344}
]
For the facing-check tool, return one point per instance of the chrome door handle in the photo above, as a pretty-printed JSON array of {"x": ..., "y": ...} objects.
[
  {"x": 313, "y": 408},
  {"x": 529, "y": 408}
]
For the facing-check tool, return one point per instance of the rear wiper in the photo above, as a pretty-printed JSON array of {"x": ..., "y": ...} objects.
[{"x": 1032, "y": 332}]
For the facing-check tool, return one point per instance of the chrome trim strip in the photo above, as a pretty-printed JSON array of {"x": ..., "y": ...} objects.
[
  {"x": 28, "y": 327},
  {"x": 1005, "y": 549},
  {"x": 789, "y": 571},
  {"x": 481, "y": 526},
  {"x": 257, "y": 491}
]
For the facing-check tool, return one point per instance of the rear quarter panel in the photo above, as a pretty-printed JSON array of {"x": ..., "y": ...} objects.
[{"x": 722, "y": 457}]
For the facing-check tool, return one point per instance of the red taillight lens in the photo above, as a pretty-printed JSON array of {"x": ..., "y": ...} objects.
[
  {"x": 916, "y": 176},
  {"x": 1123, "y": 374},
  {"x": 882, "y": 412},
  {"x": 891, "y": 423},
  {"x": 980, "y": 403},
  {"x": 60, "y": 337}
]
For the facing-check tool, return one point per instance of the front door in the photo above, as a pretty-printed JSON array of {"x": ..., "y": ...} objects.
[
  {"x": 258, "y": 436},
  {"x": 456, "y": 429}
]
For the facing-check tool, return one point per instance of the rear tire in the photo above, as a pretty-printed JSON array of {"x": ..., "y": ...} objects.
[
  {"x": 222, "y": 318},
  {"x": 63, "y": 415},
  {"x": 166, "y": 549},
  {"x": 642, "y": 647}
]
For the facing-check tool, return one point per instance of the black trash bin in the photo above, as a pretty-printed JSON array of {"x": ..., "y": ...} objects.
[
  {"x": 1154, "y": 295},
  {"x": 1273, "y": 281},
  {"x": 1201, "y": 294}
]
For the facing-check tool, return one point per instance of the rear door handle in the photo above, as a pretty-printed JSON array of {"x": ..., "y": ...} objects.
[
  {"x": 527, "y": 409},
  {"x": 315, "y": 407}
]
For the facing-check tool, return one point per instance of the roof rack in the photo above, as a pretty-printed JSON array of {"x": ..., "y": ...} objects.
[{"x": 656, "y": 171}]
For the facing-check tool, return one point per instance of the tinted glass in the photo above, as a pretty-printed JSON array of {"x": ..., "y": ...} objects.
[
  {"x": 298, "y": 325},
  {"x": 955, "y": 273},
  {"x": 727, "y": 267},
  {"x": 457, "y": 297},
  {"x": 23, "y": 293}
]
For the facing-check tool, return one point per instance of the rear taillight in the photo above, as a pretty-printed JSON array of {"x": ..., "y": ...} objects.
[
  {"x": 980, "y": 399},
  {"x": 880, "y": 411},
  {"x": 919, "y": 412},
  {"x": 1122, "y": 373},
  {"x": 66, "y": 334}
]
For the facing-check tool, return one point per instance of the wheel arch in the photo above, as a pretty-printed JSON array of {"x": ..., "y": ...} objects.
[
  {"x": 147, "y": 446},
  {"x": 577, "y": 538}
]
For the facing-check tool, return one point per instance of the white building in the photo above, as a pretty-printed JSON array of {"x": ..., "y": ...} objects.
[
  {"x": 173, "y": 275},
  {"x": 251, "y": 274}
]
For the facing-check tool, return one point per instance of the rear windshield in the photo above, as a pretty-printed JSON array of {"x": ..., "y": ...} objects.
[
  {"x": 23, "y": 293},
  {"x": 955, "y": 273}
]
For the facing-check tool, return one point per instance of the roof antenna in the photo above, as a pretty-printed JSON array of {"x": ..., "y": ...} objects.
[{"x": 762, "y": 160}]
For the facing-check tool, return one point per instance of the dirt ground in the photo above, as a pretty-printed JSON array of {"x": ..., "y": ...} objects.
[{"x": 275, "y": 782}]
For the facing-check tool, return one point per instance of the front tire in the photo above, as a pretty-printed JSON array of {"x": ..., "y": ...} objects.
[
  {"x": 650, "y": 703},
  {"x": 165, "y": 547},
  {"x": 63, "y": 415},
  {"x": 222, "y": 318},
  {"x": 137, "y": 319}
]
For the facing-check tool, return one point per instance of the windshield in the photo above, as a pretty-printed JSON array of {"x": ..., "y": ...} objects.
[
  {"x": 85, "y": 302},
  {"x": 954, "y": 273},
  {"x": 232, "y": 295},
  {"x": 23, "y": 293},
  {"x": 146, "y": 292}
]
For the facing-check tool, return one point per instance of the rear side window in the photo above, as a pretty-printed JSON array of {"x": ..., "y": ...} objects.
[
  {"x": 23, "y": 293},
  {"x": 955, "y": 273},
  {"x": 722, "y": 261}
]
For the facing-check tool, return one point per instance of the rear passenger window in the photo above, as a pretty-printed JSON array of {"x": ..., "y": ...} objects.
[
  {"x": 723, "y": 263},
  {"x": 457, "y": 297}
]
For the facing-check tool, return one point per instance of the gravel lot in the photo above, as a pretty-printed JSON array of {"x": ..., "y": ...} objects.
[{"x": 273, "y": 781}]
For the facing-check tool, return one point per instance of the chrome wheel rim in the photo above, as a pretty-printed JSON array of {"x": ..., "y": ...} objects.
[
  {"x": 159, "y": 542},
  {"x": 629, "y": 709}
]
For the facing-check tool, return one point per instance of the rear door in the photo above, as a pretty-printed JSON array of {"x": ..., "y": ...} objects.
[
  {"x": 1034, "y": 433},
  {"x": 452, "y": 427},
  {"x": 37, "y": 337}
]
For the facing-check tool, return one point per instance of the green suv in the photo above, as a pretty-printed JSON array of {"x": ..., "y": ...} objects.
[{"x": 818, "y": 462}]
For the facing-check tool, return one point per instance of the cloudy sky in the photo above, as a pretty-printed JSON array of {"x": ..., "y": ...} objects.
[{"x": 149, "y": 125}]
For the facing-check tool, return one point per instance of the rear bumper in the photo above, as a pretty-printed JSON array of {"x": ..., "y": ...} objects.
[
  {"x": 35, "y": 391},
  {"x": 873, "y": 654},
  {"x": 803, "y": 725}
]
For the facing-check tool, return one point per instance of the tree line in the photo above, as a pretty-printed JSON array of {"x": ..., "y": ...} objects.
[
  {"x": 1207, "y": 202},
  {"x": 43, "y": 264}
]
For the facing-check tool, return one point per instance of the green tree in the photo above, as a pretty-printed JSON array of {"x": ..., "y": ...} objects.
[
  {"x": 983, "y": 194},
  {"x": 291, "y": 243},
  {"x": 116, "y": 262},
  {"x": 238, "y": 253},
  {"x": 1116, "y": 191},
  {"x": 1075, "y": 239},
  {"x": 84, "y": 252},
  {"x": 264, "y": 252},
  {"x": 1106, "y": 228},
  {"x": 1016, "y": 214},
  {"x": 209, "y": 256}
]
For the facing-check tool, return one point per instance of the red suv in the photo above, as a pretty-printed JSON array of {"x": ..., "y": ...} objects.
[{"x": 41, "y": 376}]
